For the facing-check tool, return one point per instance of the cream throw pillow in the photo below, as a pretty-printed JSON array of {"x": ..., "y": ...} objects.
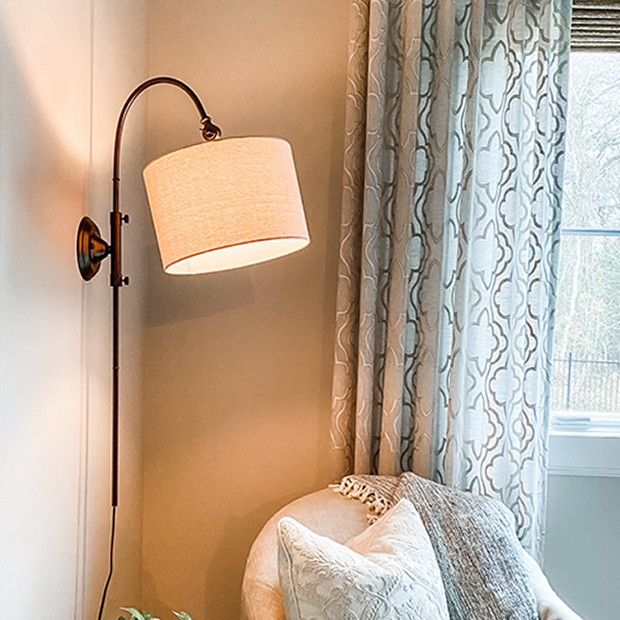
[{"x": 387, "y": 572}]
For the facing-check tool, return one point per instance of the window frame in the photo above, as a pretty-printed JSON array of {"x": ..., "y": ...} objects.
[
  {"x": 592, "y": 423},
  {"x": 588, "y": 447}
]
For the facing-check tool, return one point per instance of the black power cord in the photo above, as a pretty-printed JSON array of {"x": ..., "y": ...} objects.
[{"x": 104, "y": 594}]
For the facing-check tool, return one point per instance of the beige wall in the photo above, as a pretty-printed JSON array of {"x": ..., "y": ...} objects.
[
  {"x": 65, "y": 69},
  {"x": 238, "y": 364}
]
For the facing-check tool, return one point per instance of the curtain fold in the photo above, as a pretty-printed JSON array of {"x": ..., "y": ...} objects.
[{"x": 450, "y": 231}]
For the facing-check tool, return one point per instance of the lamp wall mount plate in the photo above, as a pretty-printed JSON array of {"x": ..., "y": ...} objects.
[{"x": 91, "y": 248}]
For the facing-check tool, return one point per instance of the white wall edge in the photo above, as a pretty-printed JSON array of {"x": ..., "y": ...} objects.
[{"x": 584, "y": 454}]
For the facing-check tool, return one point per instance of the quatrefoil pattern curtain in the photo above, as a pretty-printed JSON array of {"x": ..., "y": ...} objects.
[{"x": 450, "y": 233}]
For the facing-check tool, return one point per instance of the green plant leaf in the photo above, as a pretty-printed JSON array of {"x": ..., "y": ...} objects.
[
  {"x": 135, "y": 614},
  {"x": 182, "y": 615}
]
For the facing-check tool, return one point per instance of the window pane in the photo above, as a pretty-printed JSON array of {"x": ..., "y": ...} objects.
[
  {"x": 587, "y": 336},
  {"x": 592, "y": 176}
]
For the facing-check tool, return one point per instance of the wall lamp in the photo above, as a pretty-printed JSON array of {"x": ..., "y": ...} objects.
[{"x": 217, "y": 205}]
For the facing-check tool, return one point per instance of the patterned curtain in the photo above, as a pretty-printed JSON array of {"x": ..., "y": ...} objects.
[{"x": 450, "y": 233}]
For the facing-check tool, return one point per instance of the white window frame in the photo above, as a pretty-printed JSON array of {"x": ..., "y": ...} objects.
[
  {"x": 587, "y": 444},
  {"x": 584, "y": 453},
  {"x": 586, "y": 424}
]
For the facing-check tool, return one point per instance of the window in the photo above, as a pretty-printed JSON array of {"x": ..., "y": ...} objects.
[
  {"x": 586, "y": 368},
  {"x": 585, "y": 438}
]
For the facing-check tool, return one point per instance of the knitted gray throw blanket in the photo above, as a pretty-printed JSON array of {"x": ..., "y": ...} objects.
[{"x": 474, "y": 539}]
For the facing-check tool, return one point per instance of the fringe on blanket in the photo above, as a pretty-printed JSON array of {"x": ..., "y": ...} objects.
[{"x": 353, "y": 487}]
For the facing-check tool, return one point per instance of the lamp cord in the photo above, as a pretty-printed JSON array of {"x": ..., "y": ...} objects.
[{"x": 104, "y": 594}]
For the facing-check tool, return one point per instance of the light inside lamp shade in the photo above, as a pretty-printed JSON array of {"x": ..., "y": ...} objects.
[{"x": 225, "y": 204}]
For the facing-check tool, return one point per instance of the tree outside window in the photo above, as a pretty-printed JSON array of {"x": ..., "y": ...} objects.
[{"x": 586, "y": 382}]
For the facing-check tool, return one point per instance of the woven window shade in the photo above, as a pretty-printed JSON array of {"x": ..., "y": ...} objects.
[{"x": 596, "y": 25}]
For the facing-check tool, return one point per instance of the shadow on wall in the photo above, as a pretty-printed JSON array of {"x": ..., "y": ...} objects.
[
  {"x": 233, "y": 546},
  {"x": 332, "y": 235},
  {"x": 239, "y": 363},
  {"x": 194, "y": 296}
]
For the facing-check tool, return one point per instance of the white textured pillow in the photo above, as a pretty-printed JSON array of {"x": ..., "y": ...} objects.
[{"x": 387, "y": 572}]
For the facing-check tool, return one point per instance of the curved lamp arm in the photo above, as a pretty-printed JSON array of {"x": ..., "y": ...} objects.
[
  {"x": 209, "y": 131},
  {"x": 92, "y": 249}
]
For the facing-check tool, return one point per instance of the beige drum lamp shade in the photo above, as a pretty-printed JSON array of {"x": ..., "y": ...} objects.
[{"x": 224, "y": 204}]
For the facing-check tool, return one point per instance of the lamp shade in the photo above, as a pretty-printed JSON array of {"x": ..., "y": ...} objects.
[{"x": 224, "y": 204}]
